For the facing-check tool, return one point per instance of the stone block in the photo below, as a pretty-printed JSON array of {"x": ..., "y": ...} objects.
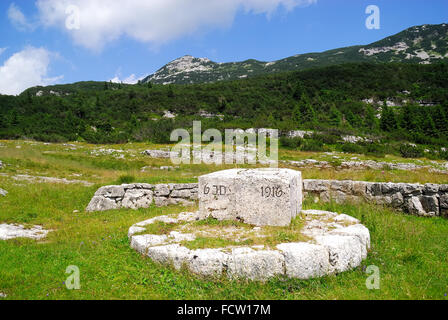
[
  {"x": 99, "y": 203},
  {"x": 137, "y": 199},
  {"x": 305, "y": 260},
  {"x": 260, "y": 197}
]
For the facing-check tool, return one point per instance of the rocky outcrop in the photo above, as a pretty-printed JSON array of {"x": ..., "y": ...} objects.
[
  {"x": 141, "y": 195},
  {"x": 13, "y": 231}
]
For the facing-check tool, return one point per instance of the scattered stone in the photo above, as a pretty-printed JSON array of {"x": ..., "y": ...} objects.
[
  {"x": 12, "y": 231},
  {"x": 3, "y": 193},
  {"x": 3, "y": 295},
  {"x": 39, "y": 179}
]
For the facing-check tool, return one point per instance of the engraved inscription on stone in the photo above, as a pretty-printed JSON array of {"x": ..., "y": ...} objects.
[{"x": 254, "y": 196}]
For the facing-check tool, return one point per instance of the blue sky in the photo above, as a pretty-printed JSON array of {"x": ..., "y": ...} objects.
[{"x": 118, "y": 39}]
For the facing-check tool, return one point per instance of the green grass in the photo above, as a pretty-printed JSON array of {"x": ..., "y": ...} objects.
[{"x": 411, "y": 252}]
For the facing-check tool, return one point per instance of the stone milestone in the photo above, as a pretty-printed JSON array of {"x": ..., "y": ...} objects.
[{"x": 261, "y": 197}]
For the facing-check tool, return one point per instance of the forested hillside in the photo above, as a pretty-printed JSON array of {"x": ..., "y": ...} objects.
[{"x": 410, "y": 99}]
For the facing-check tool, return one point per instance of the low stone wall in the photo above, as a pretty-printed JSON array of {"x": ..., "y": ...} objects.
[
  {"x": 418, "y": 199},
  {"x": 421, "y": 200},
  {"x": 141, "y": 195}
]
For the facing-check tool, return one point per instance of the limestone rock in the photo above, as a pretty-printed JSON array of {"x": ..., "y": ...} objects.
[
  {"x": 345, "y": 252},
  {"x": 359, "y": 231},
  {"x": 430, "y": 205},
  {"x": 99, "y": 203},
  {"x": 208, "y": 262},
  {"x": 444, "y": 201},
  {"x": 259, "y": 197},
  {"x": 305, "y": 260},
  {"x": 414, "y": 206},
  {"x": 13, "y": 231},
  {"x": 137, "y": 199},
  {"x": 173, "y": 254},
  {"x": 3, "y": 193},
  {"x": 111, "y": 192},
  {"x": 255, "y": 264},
  {"x": 316, "y": 185},
  {"x": 141, "y": 243},
  {"x": 162, "y": 190}
]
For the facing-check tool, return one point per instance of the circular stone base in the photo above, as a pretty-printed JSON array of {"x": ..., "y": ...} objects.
[{"x": 330, "y": 243}]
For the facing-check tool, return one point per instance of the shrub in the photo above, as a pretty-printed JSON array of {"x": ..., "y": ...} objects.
[
  {"x": 376, "y": 150},
  {"x": 126, "y": 179},
  {"x": 291, "y": 143},
  {"x": 326, "y": 138},
  {"x": 411, "y": 151},
  {"x": 352, "y": 148},
  {"x": 313, "y": 145}
]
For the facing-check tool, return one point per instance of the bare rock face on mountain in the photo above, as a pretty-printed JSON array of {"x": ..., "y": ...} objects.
[{"x": 424, "y": 44}]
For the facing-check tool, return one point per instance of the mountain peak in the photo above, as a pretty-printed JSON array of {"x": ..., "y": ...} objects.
[{"x": 422, "y": 44}]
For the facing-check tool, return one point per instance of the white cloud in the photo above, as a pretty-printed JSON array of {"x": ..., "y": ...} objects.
[
  {"x": 132, "y": 79},
  {"x": 25, "y": 69},
  {"x": 150, "y": 21},
  {"x": 18, "y": 19}
]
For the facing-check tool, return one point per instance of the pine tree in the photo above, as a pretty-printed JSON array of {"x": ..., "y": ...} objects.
[
  {"x": 335, "y": 116},
  {"x": 370, "y": 120},
  {"x": 388, "y": 120}
]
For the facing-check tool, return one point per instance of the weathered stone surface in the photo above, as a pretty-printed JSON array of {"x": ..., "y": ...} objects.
[
  {"x": 345, "y": 187},
  {"x": 316, "y": 185},
  {"x": 374, "y": 189},
  {"x": 444, "y": 201},
  {"x": 208, "y": 262},
  {"x": 143, "y": 242},
  {"x": 430, "y": 205},
  {"x": 259, "y": 197},
  {"x": 137, "y": 199},
  {"x": 255, "y": 264},
  {"x": 387, "y": 188},
  {"x": 3, "y": 193},
  {"x": 181, "y": 194},
  {"x": 173, "y": 254},
  {"x": 414, "y": 206},
  {"x": 345, "y": 252},
  {"x": 99, "y": 203},
  {"x": 305, "y": 260},
  {"x": 160, "y": 154},
  {"x": 360, "y": 188},
  {"x": 412, "y": 189},
  {"x": 397, "y": 200},
  {"x": 162, "y": 190},
  {"x": 111, "y": 192},
  {"x": 341, "y": 242},
  {"x": 359, "y": 231},
  {"x": 13, "y": 231},
  {"x": 431, "y": 189}
]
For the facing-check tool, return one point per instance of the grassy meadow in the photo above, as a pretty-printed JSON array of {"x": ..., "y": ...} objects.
[{"x": 411, "y": 252}]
